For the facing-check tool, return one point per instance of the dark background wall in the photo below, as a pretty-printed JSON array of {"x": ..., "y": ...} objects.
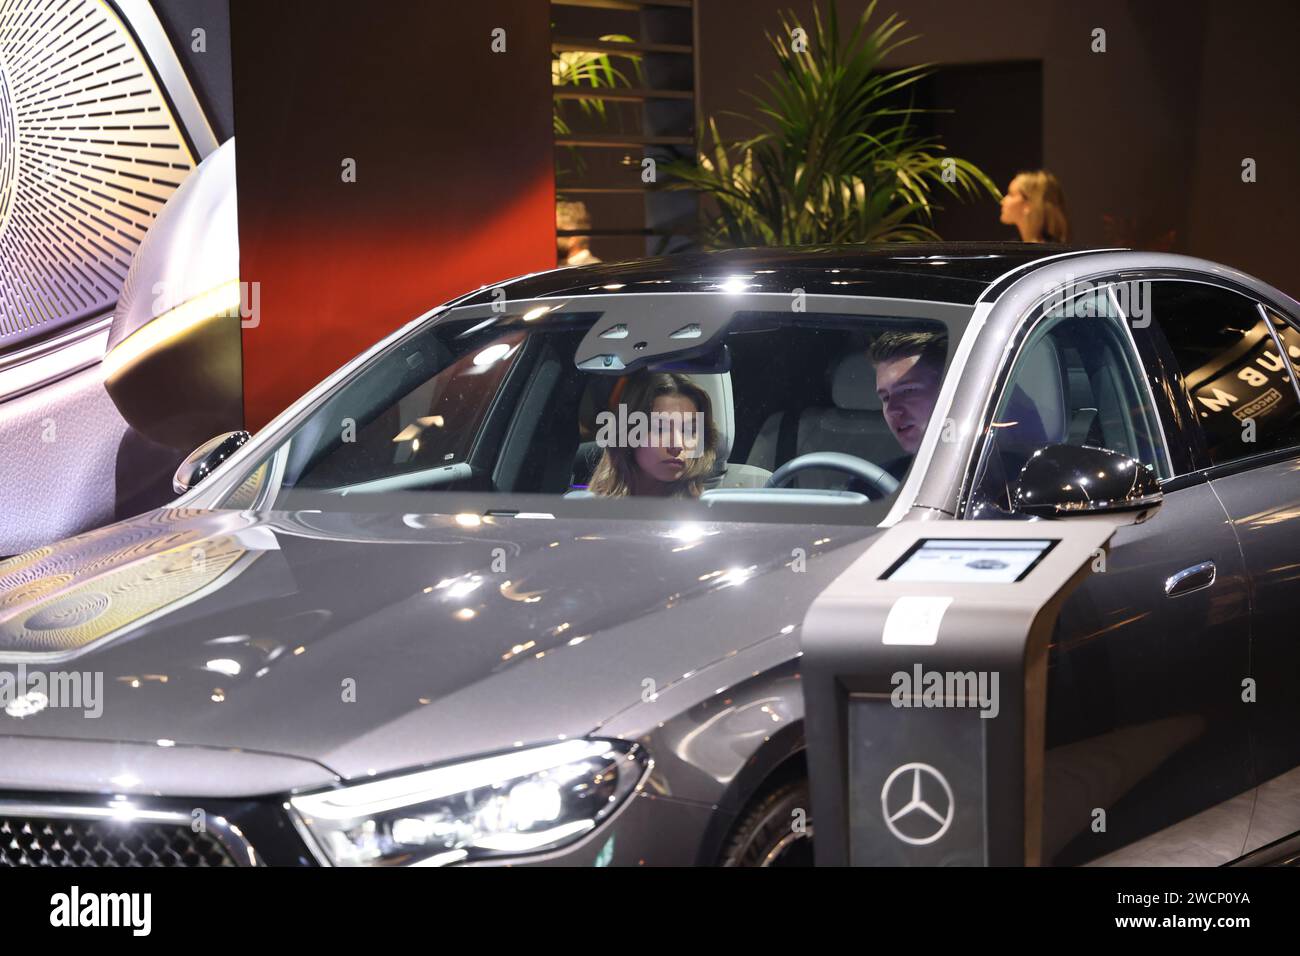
[
  {"x": 454, "y": 182},
  {"x": 207, "y": 68},
  {"x": 455, "y": 169},
  {"x": 1151, "y": 133}
]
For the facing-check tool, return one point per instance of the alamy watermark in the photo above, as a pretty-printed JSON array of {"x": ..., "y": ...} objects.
[
  {"x": 231, "y": 299},
  {"x": 922, "y": 688},
  {"x": 133, "y": 911},
  {"x": 1079, "y": 298},
  {"x": 636, "y": 429},
  {"x": 24, "y": 693}
]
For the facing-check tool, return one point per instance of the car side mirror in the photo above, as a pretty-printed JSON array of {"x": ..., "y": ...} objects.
[
  {"x": 205, "y": 459},
  {"x": 1059, "y": 481}
]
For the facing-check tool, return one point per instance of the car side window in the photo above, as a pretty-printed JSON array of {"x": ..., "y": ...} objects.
[
  {"x": 1076, "y": 381},
  {"x": 422, "y": 410},
  {"x": 1230, "y": 367}
]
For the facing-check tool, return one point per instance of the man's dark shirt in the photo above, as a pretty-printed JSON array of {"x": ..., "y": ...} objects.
[{"x": 898, "y": 466}]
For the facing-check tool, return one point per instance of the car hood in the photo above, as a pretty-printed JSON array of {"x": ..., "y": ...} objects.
[{"x": 372, "y": 642}]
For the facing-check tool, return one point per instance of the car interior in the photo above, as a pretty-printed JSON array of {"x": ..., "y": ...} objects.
[
  {"x": 1073, "y": 385},
  {"x": 509, "y": 410},
  {"x": 772, "y": 408}
]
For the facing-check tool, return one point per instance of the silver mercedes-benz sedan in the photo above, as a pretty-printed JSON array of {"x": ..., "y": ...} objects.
[{"x": 524, "y": 582}]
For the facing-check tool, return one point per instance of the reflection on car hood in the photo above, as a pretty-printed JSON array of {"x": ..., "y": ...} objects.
[{"x": 371, "y": 642}]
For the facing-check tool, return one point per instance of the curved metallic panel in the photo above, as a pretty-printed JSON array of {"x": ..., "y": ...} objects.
[
  {"x": 176, "y": 328},
  {"x": 89, "y": 152},
  {"x": 191, "y": 252},
  {"x": 158, "y": 49}
]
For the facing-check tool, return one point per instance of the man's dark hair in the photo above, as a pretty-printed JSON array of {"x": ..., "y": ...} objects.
[{"x": 931, "y": 346}]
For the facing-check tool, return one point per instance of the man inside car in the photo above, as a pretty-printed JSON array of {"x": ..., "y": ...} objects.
[{"x": 909, "y": 370}]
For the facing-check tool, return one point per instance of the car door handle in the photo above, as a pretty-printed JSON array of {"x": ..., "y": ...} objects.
[{"x": 1190, "y": 579}]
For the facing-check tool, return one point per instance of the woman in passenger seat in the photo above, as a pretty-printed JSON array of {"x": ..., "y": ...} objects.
[{"x": 661, "y": 439}]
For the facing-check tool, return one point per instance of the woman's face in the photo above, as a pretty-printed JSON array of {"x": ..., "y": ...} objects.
[
  {"x": 663, "y": 458},
  {"x": 1015, "y": 205}
]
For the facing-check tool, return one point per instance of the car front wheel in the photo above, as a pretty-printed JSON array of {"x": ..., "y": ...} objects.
[{"x": 775, "y": 830}]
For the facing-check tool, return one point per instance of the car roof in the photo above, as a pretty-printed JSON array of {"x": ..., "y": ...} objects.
[{"x": 940, "y": 272}]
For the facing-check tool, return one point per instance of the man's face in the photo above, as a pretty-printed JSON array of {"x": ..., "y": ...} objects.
[{"x": 908, "y": 389}]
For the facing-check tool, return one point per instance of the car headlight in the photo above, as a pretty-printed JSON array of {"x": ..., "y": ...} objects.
[{"x": 520, "y": 802}]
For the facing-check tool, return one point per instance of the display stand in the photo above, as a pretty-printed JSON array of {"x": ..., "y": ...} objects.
[{"x": 924, "y": 671}]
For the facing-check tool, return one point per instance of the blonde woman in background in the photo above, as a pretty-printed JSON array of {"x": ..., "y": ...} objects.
[{"x": 1035, "y": 204}]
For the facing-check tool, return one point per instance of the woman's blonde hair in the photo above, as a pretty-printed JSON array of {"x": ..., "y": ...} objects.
[
  {"x": 1047, "y": 217},
  {"x": 613, "y": 475}
]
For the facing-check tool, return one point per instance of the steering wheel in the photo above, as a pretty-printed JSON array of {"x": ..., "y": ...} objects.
[{"x": 873, "y": 475}]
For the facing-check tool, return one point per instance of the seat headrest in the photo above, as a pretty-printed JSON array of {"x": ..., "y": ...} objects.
[
  {"x": 1040, "y": 377},
  {"x": 1022, "y": 429},
  {"x": 718, "y": 387},
  {"x": 853, "y": 383}
]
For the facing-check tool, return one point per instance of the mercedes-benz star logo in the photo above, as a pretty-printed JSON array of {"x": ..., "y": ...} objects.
[{"x": 917, "y": 803}]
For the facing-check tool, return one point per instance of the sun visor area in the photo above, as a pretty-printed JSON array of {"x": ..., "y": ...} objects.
[{"x": 636, "y": 337}]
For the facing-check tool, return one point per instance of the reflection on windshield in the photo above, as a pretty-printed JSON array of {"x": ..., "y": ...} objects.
[{"x": 655, "y": 397}]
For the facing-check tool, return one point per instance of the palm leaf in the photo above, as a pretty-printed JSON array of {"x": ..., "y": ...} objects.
[{"x": 834, "y": 158}]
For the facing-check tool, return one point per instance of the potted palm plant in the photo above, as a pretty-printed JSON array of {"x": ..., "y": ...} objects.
[{"x": 836, "y": 158}]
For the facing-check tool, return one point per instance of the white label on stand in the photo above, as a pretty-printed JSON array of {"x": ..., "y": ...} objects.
[{"x": 915, "y": 620}]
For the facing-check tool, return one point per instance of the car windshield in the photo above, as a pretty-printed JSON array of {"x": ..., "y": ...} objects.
[{"x": 699, "y": 398}]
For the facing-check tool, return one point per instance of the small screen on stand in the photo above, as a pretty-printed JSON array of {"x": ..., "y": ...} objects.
[{"x": 970, "y": 560}]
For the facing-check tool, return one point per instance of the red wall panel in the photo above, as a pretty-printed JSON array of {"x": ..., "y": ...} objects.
[{"x": 454, "y": 171}]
